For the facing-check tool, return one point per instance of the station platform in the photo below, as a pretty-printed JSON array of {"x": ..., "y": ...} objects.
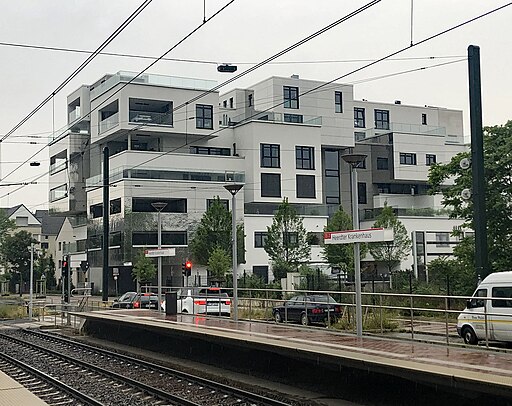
[
  {"x": 399, "y": 368},
  {"x": 12, "y": 393}
]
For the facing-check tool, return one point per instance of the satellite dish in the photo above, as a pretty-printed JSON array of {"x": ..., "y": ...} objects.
[
  {"x": 465, "y": 163},
  {"x": 466, "y": 194}
]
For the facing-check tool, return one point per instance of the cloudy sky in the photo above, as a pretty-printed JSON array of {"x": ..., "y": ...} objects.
[{"x": 245, "y": 33}]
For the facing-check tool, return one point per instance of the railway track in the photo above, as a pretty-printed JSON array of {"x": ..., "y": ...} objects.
[{"x": 121, "y": 379}]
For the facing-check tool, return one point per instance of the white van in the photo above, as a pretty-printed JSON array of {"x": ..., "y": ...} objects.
[{"x": 471, "y": 323}]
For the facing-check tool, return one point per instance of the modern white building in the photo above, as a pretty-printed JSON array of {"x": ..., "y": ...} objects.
[{"x": 172, "y": 140}]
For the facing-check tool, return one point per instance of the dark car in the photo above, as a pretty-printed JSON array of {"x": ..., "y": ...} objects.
[
  {"x": 134, "y": 300},
  {"x": 307, "y": 309}
]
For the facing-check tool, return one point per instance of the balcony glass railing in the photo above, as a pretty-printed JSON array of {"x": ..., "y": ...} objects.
[
  {"x": 276, "y": 117},
  {"x": 109, "y": 123},
  {"x": 150, "y": 117},
  {"x": 301, "y": 209},
  {"x": 371, "y": 214},
  {"x": 58, "y": 166},
  {"x": 73, "y": 115}
]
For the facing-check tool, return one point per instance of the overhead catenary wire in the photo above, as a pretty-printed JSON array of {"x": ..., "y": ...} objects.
[
  {"x": 80, "y": 68},
  {"x": 374, "y": 62}
]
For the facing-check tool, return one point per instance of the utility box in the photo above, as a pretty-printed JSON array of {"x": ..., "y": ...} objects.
[{"x": 171, "y": 303}]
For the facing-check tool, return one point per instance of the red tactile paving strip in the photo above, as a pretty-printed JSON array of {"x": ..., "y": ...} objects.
[{"x": 481, "y": 364}]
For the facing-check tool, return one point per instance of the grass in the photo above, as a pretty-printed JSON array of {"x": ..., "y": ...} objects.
[{"x": 12, "y": 312}]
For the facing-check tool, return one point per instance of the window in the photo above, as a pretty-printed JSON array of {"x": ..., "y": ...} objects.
[
  {"x": 59, "y": 192},
  {"x": 145, "y": 111},
  {"x": 291, "y": 97},
  {"x": 224, "y": 202},
  {"x": 114, "y": 239},
  {"x": 143, "y": 205},
  {"x": 115, "y": 206},
  {"x": 225, "y": 103},
  {"x": 249, "y": 99},
  {"x": 60, "y": 246},
  {"x": 204, "y": 116},
  {"x": 44, "y": 245},
  {"x": 430, "y": 159},
  {"x": 407, "y": 158},
  {"x": 291, "y": 238},
  {"x": 359, "y": 119},
  {"x": 338, "y": 100},
  {"x": 261, "y": 271},
  {"x": 306, "y": 186},
  {"x": 382, "y": 119},
  {"x": 382, "y": 163},
  {"x": 270, "y": 185},
  {"x": 260, "y": 239},
  {"x": 293, "y": 118},
  {"x": 270, "y": 156},
  {"x": 332, "y": 176},
  {"x": 442, "y": 239},
  {"x": 96, "y": 210},
  {"x": 359, "y": 135},
  {"x": 304, "y": 157},
  {"x": 479, "y": 302},
  {"x": 424, "y": 119},
  {"x": 506, "y": 293},
  {"x": 361, "y": 193},
  {"x": 210, "y": 151},
  {"x": 231, "y": 105},
  {"x": 151, "y": 238}
]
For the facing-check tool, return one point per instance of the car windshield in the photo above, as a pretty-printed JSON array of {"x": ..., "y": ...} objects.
[
  {"x": 127, "y": 297},
  {"x": 210, "y": 292},
  {"x": 321, "y": 299}
]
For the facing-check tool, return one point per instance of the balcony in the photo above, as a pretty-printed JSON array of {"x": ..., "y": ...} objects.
[
  {"x": 301, "y": 209},
  {"x": 108, "y": 123},
  {"x": 275, "y": 117},
  {"x": 58, "y": 166},
  {"x": 406, "y": 129}
]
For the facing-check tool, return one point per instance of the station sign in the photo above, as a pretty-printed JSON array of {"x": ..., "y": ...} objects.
[
  {"x": 351, "y": 236},
  {"x": 162, "y": 252}
]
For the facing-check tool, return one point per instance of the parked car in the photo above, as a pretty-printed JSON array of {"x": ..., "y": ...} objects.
[
  {"x": 307, "y": 309},
  {"x": 471, "y": 323},
  {"x": 203, "y": 300},
  {"x": 134, "y": 300}
]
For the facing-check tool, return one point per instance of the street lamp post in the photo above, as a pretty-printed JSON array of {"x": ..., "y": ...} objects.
[
  {"x": 159, "y": 206},
  {"x": 355, "y": 160},
  {"x": 233, "y": 189},
  {"x": 31, "y": 299}
]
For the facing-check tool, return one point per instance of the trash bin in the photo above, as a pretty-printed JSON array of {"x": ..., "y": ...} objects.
[{"x": 171, "y": 303}]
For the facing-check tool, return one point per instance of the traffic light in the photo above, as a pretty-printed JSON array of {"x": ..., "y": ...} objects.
[{"x": 186, "y": 268}]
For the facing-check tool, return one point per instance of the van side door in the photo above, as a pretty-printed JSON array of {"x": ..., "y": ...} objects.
[
  {"x": 474, "y": 313},
  {"x": 501, "y": 313}
]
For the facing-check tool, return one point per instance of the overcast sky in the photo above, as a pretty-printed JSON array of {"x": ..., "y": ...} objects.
[{"x": 245, "y": 32}]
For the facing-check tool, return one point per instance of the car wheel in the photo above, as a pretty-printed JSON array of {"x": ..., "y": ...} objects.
[
  {"x": 304, "y": 319},
  {"x": 277, "y": 317},
  {"x": 469, "y": 336}
]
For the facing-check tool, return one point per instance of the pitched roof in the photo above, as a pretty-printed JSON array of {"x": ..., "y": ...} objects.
[{"x": 50, "y": 225}]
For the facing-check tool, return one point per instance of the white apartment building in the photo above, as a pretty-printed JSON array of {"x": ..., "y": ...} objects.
[{"x": 170, "y": 140}]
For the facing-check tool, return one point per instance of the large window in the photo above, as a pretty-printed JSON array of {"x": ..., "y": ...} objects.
[
  {"x": 260, "y": 238},
  {"x": 338, "y": 102},
  {"x": 442, "y": 240},
  {"x": 382, "y": 119},
  {"x": 145, "y": 111},
  {"x": 430, "y": 159},
  {"x": 291, "y": 97},
  {"x": 361, "y": 193},
  {"x": 270, "y": 156},
  {"x": 332, "y": 176},
  {"x": 382, "y": 163},
  {"x": 210, "y": 151},
  {"x": 115, "y": 206},
  {"x": 204, "y": 116},
  {"x": 306, "y": 186},
  {"x": 270, "y": 185},
  {"x": 293, "y": 118},
  {"x": 151, "y": 238},
  {"x": 224, "y": 202},
  {"x": 304, "y": 157},
  {"x": 359, "y": 118},
  {"x": 506, "y": 293},
  {"x": 407, "y": 158},
  {"x": 143, "y": 205}
]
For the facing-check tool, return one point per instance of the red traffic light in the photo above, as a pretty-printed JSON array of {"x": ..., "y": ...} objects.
[{"x": 188, "y": 265}]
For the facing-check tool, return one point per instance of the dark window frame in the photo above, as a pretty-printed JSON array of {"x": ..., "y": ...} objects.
[
  {"x": 303, "y": 189},
  {"x": 381, "y": 119},
  {"x": 408, "y": 158},
  {"x": 424, "y": 119},
  {"x": 293, "y": 118},
  {"x": 264, "y": 178},
  {"x": 359, "y": 117},
  {"x": 260, "y": 238},
  {"x": 338, "y": 101},
  {"x": 203, "y": 121},
  {"x": 224, "y": 202},
  {"x": 302, "y": 161},
  {"x": 210, "y": 151},
  {"x": 430, "y": 159},
  {"x": 291, "y": 97},
  {"x": 382, "y": 163},
  {"x": 270, "y": 155},
  {"x": 362, "y": 197}
]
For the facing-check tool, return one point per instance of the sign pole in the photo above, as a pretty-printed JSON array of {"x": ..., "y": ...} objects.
[{"x": 357, "y": 259}]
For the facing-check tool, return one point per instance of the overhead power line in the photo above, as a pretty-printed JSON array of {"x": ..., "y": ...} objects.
[{"x": 81, "y": 67}]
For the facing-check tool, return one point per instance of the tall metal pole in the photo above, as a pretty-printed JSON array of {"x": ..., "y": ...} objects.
[
  {"x": 235, "y": 276},
  {"x": 357, "y": 263},
  {"x": 159, "y": 263},
  {"x": 106, "y": 212},
  {"x": 31, "y": 299},
  {"x": 477, "y": 163}
]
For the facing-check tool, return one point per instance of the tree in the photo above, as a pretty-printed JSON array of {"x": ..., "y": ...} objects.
[
  {"x": 391, "y": 253},
  {"x": 218, "y": 263},
  {"x": 144, "y": 269},
  {"x": 214, "y": 231},
  {"x": 45, "y": 266},
  {"x": 15, "y": 252},
  {"x": 286, "y": 242},
  {"x": 341, "y": 255},
  {"x": 6, "y": 225},
  {"x": 498, "y": 196}
]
